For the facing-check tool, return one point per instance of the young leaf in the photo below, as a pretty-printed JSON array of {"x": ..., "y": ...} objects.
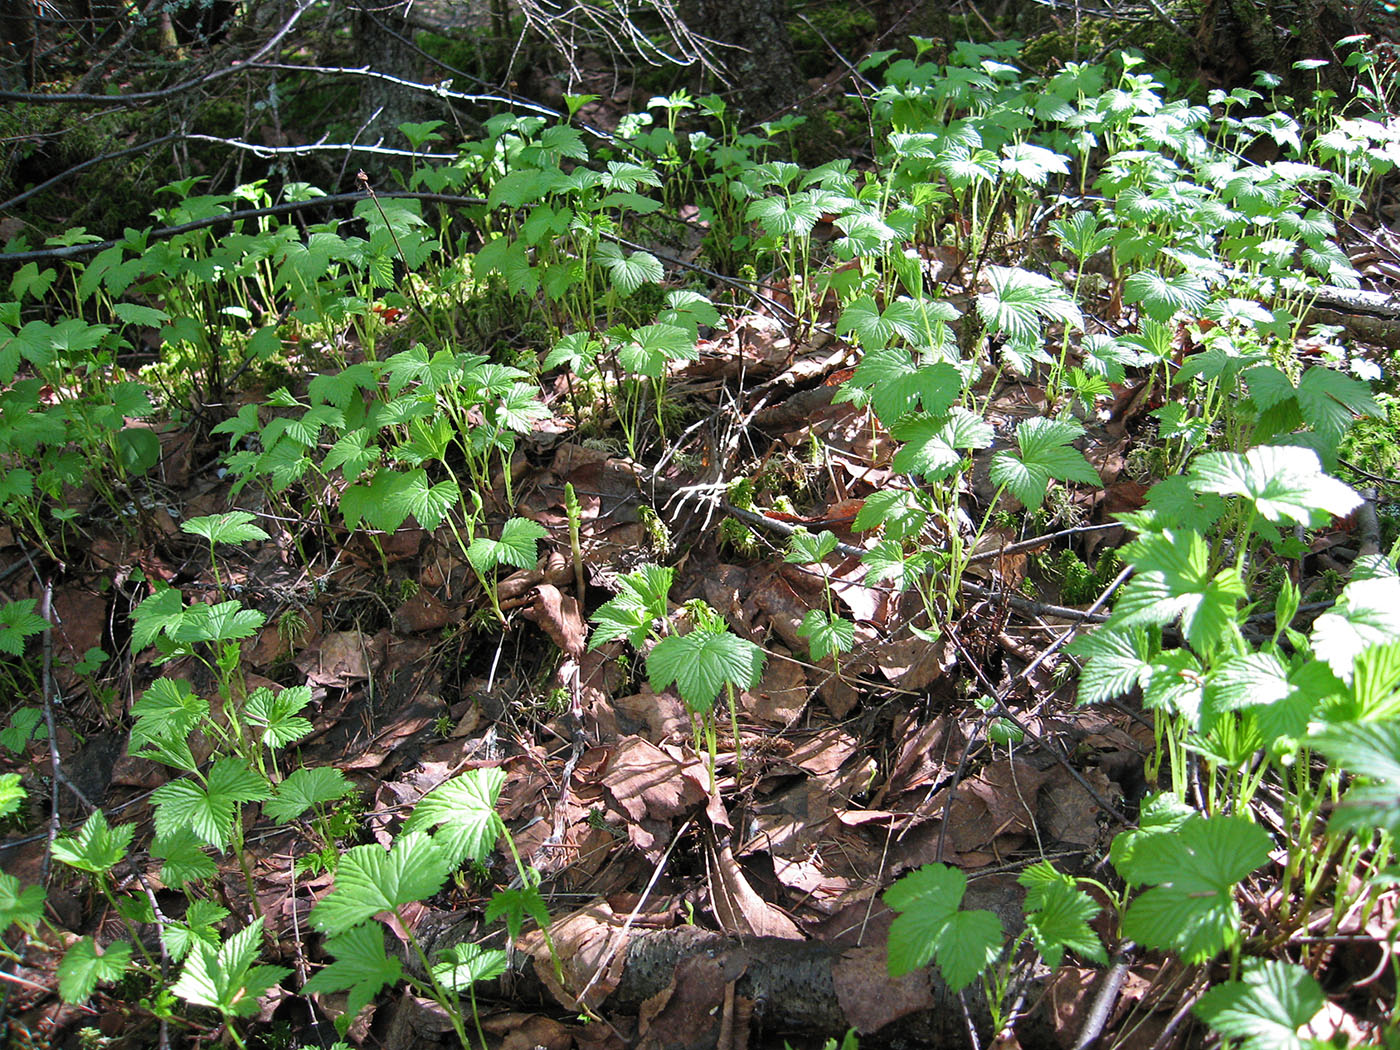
[
  {"x": 826, "y": 633},
  {"x": 184, "y": 856},
  {"x": 516, "y": 547},
  {"x": 1058, "y": 914},
  {"x": 701, "y": 662},
  {"x": 514, "y": 905},
  {"x": 1045, "y": 454},
  {"x": 26, "y": 724},
  {"x": 1164, "y": 297},
  {"x": 20, "y": 905},
  {"x": 1265, "y": 1008},
  {"x": 932, "y": 443},
  {"x": 1285, "y": 483},
  {"x": 368, "y": 881},
  {"x": 1018, "y": 299},
  {"x": 198, "y": 926},
  {"x": 1370, "y": 751},
  {"x": 96, "y": 847},
  {"x": 464, "y": 811},
  {"x": 168, "y": 710},
  {"x": 276, "y": 714},
  {"x": 84, "y": 966},
  {"x": 931, "y": 927},
  {"x": 12, "y": 793},
  {"x": 1191, "y": 907},
  {"x": 807, "y": 549},
  {"x": 640, "y": 601},
  {"x": 361, "y": 967},
  {"x": 626, "y": 272},
  {"x": 897, "y": 510},
  {"x": 1173, "y": 579},
  {"x": 161, "y": 612},
  {"x": 304, "y": 788},
  {"x": 463, "y": 965},
  {"x": 1367, "y": 614},
  {"x": 224, "y": 977},
  {"x": 19, "y": 621},
  {"x": 235, "y": 526},
  {"x": 208, "y": 812}
]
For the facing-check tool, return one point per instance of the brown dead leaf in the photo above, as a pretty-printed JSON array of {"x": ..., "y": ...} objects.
[
  {"x": 869, "y": 997},
  {"x": 645, "y": 781},
  {"x": 341, "y": 658},
  {"x": 591, "y": 948},
  {"x": 694, "y": 1009},
  {"x": 660, "y": 717},
  {"x": 738, "y": 908},
  {"x": 781, "y": 695},
  {"x": 559, "y": 617},
  {"x": 423, "y": 612},
  {"x": 913, "y": 663},
  {"x": 528, "y": 1032}
]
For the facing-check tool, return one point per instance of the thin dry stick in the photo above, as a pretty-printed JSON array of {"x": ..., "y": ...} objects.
[{"x": 408, "y": 272}]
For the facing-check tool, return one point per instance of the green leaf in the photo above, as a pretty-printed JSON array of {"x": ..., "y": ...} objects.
[
  {"x": 932, "y": 443},
  {"x": 1058, "y": 914},
  {"x": 1018, "y": 299},
  {"x": 1173, "y": 580},
  {"x": 463, "y": 810},
  {"x": 22, "y": 906},
  {"x": 361, "y": 967},
  {"x": 1045, "y": 455},
  {"x": 96, "y": 847},
  {"x": 653, "y": 346},
  {"x": 19, "y": 621},
  {"x": 276, "y": 714},
  {"x": 1191, "y": 907},
  {"x": 640, "y": 601},
  {"x": 1175, "y": 502},
  {"x": 83, "y": 967},
  {"x": 369, "y": 881},
  {"x": 807, "y": 549},
  {"x": 1370, "y": 751},
  {"x": 898, "y": 511},
  {"x": 826, "y": 633},
  {"x": 168, "y": 711},
  {"x": 235, "y": 526},
  {"x": 1284, "y": 483},
  {"x": 198, "y": 926},
  {"x": 224, "y": 622},
  {"x": 932, "y": 928},
  {"x": 1366, "y": 614},
  {"x": 12, "y": 793},
  {"x": 1116, "y": 661},
  {"x": 1265, "y": 1008},
  {"x": 208, "y": 812},
  {"x": 224, "y": 977},
  {"x": 26, "y": 724},
  {"x": 701, "y": 663},
  {"x": 626, "y": 272},
  {"x": 304, "y": 788},
  {"x": 514, "y": 905},
  {"x": 516, "y": 547},
  {"x": 184, "y": 856},
  {"x": 463, "y": 965},
  {"x": 1164, "y": 297}
]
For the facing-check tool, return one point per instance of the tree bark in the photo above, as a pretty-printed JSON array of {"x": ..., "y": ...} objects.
[{"x": 757, "y": 51}]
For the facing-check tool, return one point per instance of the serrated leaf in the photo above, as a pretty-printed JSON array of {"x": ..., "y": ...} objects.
[
  {"x": 19, "y": 905},
  {"x": 84, "y": 967},
  {"x": 1265, "y": 1008},
  {"x": 1058, "y": 914},
  {"x": 19, "y": 621},
  {"x": 1044, "y": 455},
  {"x": 222, "y": 622},
  {"x": 12, "y": 793},
  {"x": 1115, "y": 662},
  {"x": 1173, "y": 580},
  {"x": 368, "y": 881},
  {"x": 305, "y": 788},
  {"x": 806, "y": 549},
  {"x": 701, "y": 663},
  {"x": 200, "y": 919},
  {"x": 628, "y": 272},
  {"x": 208, "y": 811},
  {"x": 184, "y": 856},
  {"x": 640, "y": 601},
  {"x": 1164, "y": 297},
  {"x": 1366, "y": 614},
  {"x": 235, "y": 526},
  {"x": 932, "y": 443},
  {"x": 463, "y": 810},
  {"x": 1019, "y": 299},
  {"x": 1191, "y": 907},
  {"x": 224, "y": 977},
  {"x": 1284, "y": 483},
  {"x": 932, "y": 928},
  {"x": 96, "y": 847},
  {"x": 514, "y": 905},
  {"x": 276, "y": 714},
  {"x": 516, "y": 547},
  {"x": 361, "y": 967},
  {"x": 897, "y": 510},
  {"x": 826, "y": 633},
  {"x": 465, "y": 964}
]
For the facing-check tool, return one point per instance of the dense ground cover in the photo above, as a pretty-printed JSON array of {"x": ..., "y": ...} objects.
[{"x": 938, "y": 557}]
